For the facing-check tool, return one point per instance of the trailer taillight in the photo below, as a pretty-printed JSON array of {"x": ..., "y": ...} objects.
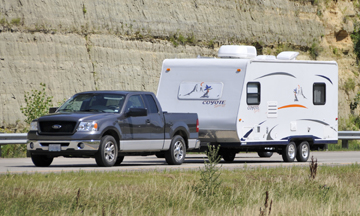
[{"x": 197, "y": 125}]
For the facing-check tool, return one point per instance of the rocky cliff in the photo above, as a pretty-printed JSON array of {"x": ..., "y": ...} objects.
[{"x": 74, "y": 46}]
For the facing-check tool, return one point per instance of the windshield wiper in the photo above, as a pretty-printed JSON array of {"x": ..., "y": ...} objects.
[
  {"x": 65, "y": 110},
  {"x": 92, "y": 110}
]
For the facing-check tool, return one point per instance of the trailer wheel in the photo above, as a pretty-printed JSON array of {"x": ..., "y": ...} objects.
[
  {"x": 107, "y": 153},
  {"x": 41, "y": 160},
  {"x": 177, "y": 151},
  {"x": 265, "y": 154},
  {"x": 289, "y": 152},
  {"x": 303, "y": 152},
  {"x": 119, "y": 160},
  {"x": 228, "y": 156}
]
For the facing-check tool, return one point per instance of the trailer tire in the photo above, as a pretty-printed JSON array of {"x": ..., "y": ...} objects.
[
  {"x": 119, "y": 160},
  {"x": 107, "y": 153},
  {"x": 41, "y": 160},
  {"x": 289, "y": 152},
  {"x": 228, "y": 156},
  {"x": 177, "y": 151},
  {"x": 303, "y": 151},
  {"x": 265, "y": 154}
]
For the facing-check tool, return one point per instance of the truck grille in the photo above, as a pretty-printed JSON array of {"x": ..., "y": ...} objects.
[{"x": 66, "y": 127}]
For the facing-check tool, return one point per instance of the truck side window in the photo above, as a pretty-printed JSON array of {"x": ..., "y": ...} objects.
[
  {"x": 253, "y": 93},
  {"x": 319, "y": 93},
  {"x": 135, "y": 101},
  {"x": 152, "y": 107}
]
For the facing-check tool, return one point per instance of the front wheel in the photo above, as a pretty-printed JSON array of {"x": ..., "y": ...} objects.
[
  {"x": 107, "y": 153},
  {"x": 177, "y": 151},
  {"x": 41, "y": 160},
  {"x": 289, "y": 152},
  {"x": 119, "y": 160},
  {"x": 303, "y": 152}
]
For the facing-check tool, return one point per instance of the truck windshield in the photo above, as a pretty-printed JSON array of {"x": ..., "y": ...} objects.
[{"x": 107, "y": 103}]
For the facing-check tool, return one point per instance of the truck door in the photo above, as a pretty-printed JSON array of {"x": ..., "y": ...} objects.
[
  {"x": 155, "y": 119},
  {"x": 135, "y": 127}
]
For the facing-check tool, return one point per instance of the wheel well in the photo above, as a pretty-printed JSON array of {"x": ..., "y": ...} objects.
[
  {"x": 297, "y": 141},
  {"x": 183, "y": 135},
  {"x": 113, "y": 134}
]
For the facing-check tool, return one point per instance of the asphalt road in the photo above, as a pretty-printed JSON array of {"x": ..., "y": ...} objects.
[{"x": 192, "y": 161}]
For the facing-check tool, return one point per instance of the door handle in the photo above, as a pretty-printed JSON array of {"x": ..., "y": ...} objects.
[{"x": 147, "y": 121}]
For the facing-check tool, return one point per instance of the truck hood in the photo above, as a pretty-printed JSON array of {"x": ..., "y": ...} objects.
[{"x": 84, "y": 116}]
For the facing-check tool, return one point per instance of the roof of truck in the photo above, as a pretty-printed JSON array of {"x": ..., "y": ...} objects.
[{"x": 114, "y": 92}]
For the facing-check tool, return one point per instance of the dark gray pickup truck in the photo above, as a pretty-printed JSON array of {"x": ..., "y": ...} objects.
[{"x": 109, "y": 125}]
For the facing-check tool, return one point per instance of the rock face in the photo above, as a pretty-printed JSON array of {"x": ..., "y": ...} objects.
[{"x": 74, "y": 46}]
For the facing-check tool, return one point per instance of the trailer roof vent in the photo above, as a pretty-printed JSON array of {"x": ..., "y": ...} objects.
[
  {"x": 265, "y": 57},
  {"x": 287, "y": 55},
  {"x": 235, "y": 51}
]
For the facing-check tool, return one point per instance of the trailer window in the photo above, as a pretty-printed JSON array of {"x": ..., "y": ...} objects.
[
  {"x": 253, "y": 93},
  {"x": 319, "y": 93}
]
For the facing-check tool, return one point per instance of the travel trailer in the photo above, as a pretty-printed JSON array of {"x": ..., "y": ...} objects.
[{"x": 263, "y": 104}]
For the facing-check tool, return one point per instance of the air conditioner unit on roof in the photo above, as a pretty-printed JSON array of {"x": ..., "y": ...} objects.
[
  {"x": 287, "y": 55},
  {"x": 236, "y": 51}
]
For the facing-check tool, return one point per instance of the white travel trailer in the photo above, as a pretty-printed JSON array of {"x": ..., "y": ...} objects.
[{"x": 255, "y": 103}]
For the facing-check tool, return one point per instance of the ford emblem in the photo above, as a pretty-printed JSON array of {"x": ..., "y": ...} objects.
[{"x": 56, "y": 126}]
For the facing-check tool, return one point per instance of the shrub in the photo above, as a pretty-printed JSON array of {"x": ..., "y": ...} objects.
[
  {"x": 315, "y": 50},
  {"x": 37, "y": 104},
  {"x": 15, "y": 21},
  {"x": 209, "y": 176}
]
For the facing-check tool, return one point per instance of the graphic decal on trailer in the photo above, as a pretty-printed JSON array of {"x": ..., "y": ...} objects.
[
  {"x": 325, "y": 78},
  {"x": 276, "y": 74},
  {"x": 200, "y": 90},
  {"x": 298, "y": 91}
]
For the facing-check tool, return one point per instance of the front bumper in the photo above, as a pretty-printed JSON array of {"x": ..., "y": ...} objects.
[{"x": 66, "y": 145}]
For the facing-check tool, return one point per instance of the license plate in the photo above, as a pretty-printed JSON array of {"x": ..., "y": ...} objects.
[{"x": 54, "y": 147}]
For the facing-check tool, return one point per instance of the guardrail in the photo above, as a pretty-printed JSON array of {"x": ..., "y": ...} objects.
[
  {"x": 12, "y": 138},
  {"x": 21, "y": 138},
  {"x": 345, "y": 136}
]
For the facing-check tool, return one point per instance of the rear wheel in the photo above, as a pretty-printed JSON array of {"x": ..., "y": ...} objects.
[
  {"x": 228, "y": 156},
  {"x": 41, "y": 160},
  {"x": 177, "y": 151},
  {"x": 265, "y": 154},
  {"x": 107, "y": 153},
  {"x": 289, "y": 152},
  {"x": 303, "y": 152}
]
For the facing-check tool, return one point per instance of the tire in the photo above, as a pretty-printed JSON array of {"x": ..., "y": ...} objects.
[
  {"x": 265, "y": 154},
  {"x": 228, "y": 156},
  {"x": 119, "y": 160},
  {"x": 289, "y": 152},
  {"x": 107, "y": 153},
  {"x": 303, "y": 151},
  {"x": 41, "y": 160},
  {"x": 177, "y": 151}
]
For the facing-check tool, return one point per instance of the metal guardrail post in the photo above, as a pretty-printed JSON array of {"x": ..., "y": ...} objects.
[{"x": 345, "y": 144}]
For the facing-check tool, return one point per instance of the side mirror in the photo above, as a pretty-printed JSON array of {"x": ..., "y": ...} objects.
[
  {"x": 133, "y": 112},
  {"x": 53, "y": 109}
]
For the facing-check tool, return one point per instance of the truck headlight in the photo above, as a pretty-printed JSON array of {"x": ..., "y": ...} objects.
[
  {"x": 34, "y": 126},
  {"x": 88, "y": 126}
]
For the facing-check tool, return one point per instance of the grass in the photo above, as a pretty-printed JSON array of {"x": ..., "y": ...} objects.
[{"x": 334, "y": 191}]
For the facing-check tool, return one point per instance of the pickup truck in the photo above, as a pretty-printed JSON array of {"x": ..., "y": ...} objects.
[{"x": 108, "y": 125}]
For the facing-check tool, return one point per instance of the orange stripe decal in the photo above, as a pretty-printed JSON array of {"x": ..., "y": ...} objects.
[{"x": 293, "y": 106}]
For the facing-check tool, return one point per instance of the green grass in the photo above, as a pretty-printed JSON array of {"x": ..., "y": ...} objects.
[{"x": 334, "y": 191}]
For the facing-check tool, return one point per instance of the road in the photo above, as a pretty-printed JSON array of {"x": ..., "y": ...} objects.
[{"x": 193, "y": 161}]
